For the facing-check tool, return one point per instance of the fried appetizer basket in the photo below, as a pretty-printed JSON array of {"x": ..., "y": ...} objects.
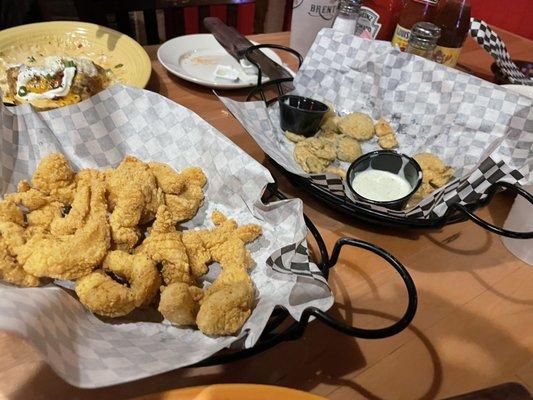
[
  {"x": 290, "y": 289},
  {"x": 483, "y": 131}
]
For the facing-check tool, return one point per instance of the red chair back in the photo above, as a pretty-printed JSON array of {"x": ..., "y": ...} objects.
[{"x": 514, "y": 16}]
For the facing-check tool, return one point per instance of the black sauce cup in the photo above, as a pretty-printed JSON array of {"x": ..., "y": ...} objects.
[
  {"x": 389, "y": 161},
  {"x": 301, "y": 115}
]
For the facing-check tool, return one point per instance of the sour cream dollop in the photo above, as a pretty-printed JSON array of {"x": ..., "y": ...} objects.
[
  {"x": 377, "y": 185},
  {"x": 51, "y": 66}
]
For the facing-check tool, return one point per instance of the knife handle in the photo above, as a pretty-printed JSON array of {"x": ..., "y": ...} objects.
[
  {"x": 232, "y": 39},
  {"x": 237, "y": 45}
]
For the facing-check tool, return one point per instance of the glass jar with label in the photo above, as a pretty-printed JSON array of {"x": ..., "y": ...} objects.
[
  {"x": 423, "y": 39},
  {"x": 453, "y": 19},
  {"x": 379, "y": 18},
  {"x": 413, "y": 12}
]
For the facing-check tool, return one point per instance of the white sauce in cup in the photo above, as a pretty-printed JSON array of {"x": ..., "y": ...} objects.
[{"x": 377, "y": 185}]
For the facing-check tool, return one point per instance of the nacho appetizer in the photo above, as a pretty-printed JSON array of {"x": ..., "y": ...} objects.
[{"x": 57, "y": 82}]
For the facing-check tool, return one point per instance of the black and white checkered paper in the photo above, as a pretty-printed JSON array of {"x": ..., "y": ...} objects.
[
  {"x": 89, "y": 352},
  {"x": 483, "y": 131},
  {"x": 495, "y": 46}
]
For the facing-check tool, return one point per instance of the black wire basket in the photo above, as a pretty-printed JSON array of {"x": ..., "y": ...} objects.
[
  {"x": 279, "y": 327},
  {"x": 456, "y": 212}
]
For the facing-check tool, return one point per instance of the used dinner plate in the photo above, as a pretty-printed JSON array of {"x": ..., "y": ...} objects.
[
  {"x": 195, "y": 58},
  {"x": 234, "y": 392},
  {"x": 106, "y": 47}
]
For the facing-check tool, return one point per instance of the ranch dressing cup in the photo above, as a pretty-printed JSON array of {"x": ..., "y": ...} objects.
[
  {"x": 308, "y": 18},
  {"x": 385, "y": 178}
]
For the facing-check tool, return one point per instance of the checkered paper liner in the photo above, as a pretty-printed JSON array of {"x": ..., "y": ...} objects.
[
  {"x": 90, "y": 352},
  {"x": 495, "y": 46},
  {"x": 483, "y": 131}
]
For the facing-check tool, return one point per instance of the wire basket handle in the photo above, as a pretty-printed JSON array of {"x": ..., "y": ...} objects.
[
  {"x": 379, "y": 333},
  {"x": 261, "y": 86},
  {"x": 490, "y": 194},
  {"x": 328, "y": 262}
]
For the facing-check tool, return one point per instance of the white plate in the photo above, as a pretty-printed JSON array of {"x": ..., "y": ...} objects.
[
  {"x": 195, "y": 57},
  {"x": 521, "y": 89}
]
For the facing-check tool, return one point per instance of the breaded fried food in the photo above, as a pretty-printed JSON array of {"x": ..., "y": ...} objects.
[
  {"x": 11, "y": 271},
  {"x": 179, "y": 303},
  {"x": 54, "y": 177},
  {"x": 185, "y": 205},
  {"x": 139, "y": 270},
  {"x": 164, "y": 245},
  {"x": 44, "y": 216},
  {"x": 435, "y": 174},
  {"x": 102, "y": 295},
  {"x": 133, "y": 198},
  {"x": 170, "y": 181},
  {"x": 70, "y": 256},
  {"x": 88, "y": 176},
  {"x": 383, "y": 128},
  {"x": 348, "y": 149},
  {"x": 13, "y": 235},
  {"x": 228, "y": 302},
  {"x": 314, "y": 154},
  {"x": 42, "y": 208},
  {"x": 330, "y": 123},
  {"x": 77, "y": 215},
  {"x": 294, "y": 137},
  {"x": 9, "y": 212},
  {"x": 357, "y": 125},
  {"x": 227, "y": 307},
  {"x": 434, "y": 171},
  {"x": 30, "y": 198},
  {"x": 200, "y": 243},
  {"x": 388, "y": 141}
]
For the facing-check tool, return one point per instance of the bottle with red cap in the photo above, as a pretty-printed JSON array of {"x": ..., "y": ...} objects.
[
  {"x": 414, "y": 11},
  {"x": 379, "y": 18}
]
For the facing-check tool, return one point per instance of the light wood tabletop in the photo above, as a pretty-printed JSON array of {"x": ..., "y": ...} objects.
[{"x": 473, "y": 328}]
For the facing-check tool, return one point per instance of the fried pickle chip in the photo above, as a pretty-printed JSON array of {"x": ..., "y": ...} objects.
[
  {"x": 383, "y": 128},
  {"x": 388, "y": 141},
  {"x": 314, "y": 154},
  {"x": 357, "y": 125},
  {"x": 348, "y": 149}
]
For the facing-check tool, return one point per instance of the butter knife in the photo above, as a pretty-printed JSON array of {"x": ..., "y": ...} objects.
[{"x": 236, "y": 45}]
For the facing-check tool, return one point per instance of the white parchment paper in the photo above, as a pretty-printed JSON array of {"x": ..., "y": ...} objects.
[{"x": 91, "y": 352}]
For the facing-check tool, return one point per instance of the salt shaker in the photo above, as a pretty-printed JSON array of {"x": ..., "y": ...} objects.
[
  {"x": 346, "y": 20},
  {"x": 423, "y": 39}
]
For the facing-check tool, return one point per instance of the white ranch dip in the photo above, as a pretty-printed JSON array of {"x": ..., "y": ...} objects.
[{"x": 379, "y": 185}]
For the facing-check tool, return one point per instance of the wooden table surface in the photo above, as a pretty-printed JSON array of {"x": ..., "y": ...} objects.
[{"x": 473, "y": 327}]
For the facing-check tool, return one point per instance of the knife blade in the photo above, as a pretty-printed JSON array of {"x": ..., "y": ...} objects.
[{"x": 236, "y": 45}]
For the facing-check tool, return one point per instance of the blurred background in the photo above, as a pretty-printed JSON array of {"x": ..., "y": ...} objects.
[{"x": 154, "y": 21}]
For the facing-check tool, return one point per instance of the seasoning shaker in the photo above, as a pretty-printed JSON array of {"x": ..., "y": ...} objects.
[
  {"x": 423, "y": 39},
  {"x": 347, "y": 16}
]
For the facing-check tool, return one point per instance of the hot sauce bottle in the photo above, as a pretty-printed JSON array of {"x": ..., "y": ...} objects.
[
  {"x": 413, "y": 12},
  {"x": 379, "y": 18},
  {"x": 453, "y": 19}
]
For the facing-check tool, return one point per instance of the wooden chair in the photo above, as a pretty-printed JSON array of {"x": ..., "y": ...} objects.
[{"x": 103, "y": 12}]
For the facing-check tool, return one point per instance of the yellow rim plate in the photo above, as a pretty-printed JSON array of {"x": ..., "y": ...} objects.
[
  {"x": 233, "y": 392},
  {"x": 117, "y": 45}
]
